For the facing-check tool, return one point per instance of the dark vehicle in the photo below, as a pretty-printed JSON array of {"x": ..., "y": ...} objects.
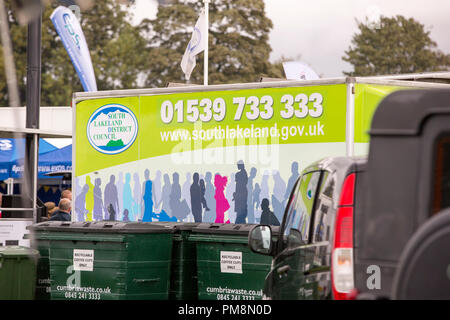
[
  {"x": 402, "y": 236},
  {"x": 313, "y": 258}
]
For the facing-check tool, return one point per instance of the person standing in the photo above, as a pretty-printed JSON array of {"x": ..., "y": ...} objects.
[
  {"x": 111, "y": 198},
  {"x": 267, "y": 216},
  {"x": 89, "y": 199},
  {"x": 98, "y": 201},
  {"x": 64, "y": 212},
  {"x": 196, "y": 198},
  {"x": 251, "y": 208},
  {"x": 222, "y": 204},
  {"x": 241, "y": 193}
]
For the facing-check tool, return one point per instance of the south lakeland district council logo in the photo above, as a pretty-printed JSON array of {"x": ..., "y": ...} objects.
[{"x": 112, "y": 129}]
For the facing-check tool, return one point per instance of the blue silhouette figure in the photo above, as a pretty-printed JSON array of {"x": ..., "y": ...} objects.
[
  {"x": 148, "y": 202},
  {"x": 292, "y": 180}
]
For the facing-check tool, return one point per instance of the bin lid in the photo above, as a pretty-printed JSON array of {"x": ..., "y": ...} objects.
[
  {"x": 227, "y": 228},
  {"x": 17, "y": 251},
  {"x": 178, "y": 226},
  {"x": 101, "y": 227}
]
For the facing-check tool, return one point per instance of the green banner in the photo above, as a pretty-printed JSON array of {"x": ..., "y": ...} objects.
[{"x": 186, "y": 147}]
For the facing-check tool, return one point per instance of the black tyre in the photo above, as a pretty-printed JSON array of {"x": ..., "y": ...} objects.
[{"x": 424, "y": 268}]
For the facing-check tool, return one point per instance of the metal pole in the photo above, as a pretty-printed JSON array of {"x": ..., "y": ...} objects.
[
  {"x": 350, "y": 117},
  {"x": 205, "y": 56},
  {"x": 33, "y": 105}
]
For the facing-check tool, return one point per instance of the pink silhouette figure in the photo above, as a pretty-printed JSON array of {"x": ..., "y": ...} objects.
[{"x": 222, "y": 204}]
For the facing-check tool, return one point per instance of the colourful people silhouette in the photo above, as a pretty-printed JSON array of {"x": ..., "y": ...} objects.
[
  {"x": 148, "y": 202},
  {"x": 241, "y": 193},
  {"x": 251, "y": 208},
  {"x": 127, "y": 197},
  {"x": 196, "y": 198},
  {"x": 267, "y": 216},
  {"x": 89, "y": 199},
  {"x": 209, "y": 215},
  {"x": 222, "y": 204},
  {"x": 80, "y": 204},
  {"x": 98, "y": 202},
  {"x": 125, "y": 216},
  {"x": 137, "y": 195},
  {"x": 165, "y": 198},
  {"x": 255, "y": 199},
  {"x": 202, "y": 193},
  {"x": 111, "y": 198}
]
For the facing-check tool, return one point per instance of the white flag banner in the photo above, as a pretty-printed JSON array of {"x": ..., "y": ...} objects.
[
  {"x": 196, "y": 45},
  {"x": 296, "y": 70},
  {"x": 72, "y": 37}
]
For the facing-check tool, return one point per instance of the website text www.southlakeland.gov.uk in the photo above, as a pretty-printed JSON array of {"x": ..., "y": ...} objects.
[{"x": 253, "y": 132}]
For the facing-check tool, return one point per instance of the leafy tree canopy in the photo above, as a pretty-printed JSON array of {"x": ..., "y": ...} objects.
[
  {"x": 393, "y": 46},
  {"x": 238, "y": 42},
  {"x": 125, "y": 56}
]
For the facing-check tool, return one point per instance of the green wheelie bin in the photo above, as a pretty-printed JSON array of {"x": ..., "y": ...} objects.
[
  {"x": 183, "y": 274},
  {"x": 39, "y": 241},
  {"x": 17, "y": 273},
  {"x": 107, "y": 260},
  {"x": 226, "y": 267}
]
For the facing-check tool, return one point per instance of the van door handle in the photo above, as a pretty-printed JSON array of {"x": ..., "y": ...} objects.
[{"x": 283, "y": 269}]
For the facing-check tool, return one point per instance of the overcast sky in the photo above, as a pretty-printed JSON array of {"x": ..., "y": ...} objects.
[{"x": 319, "y": 31}]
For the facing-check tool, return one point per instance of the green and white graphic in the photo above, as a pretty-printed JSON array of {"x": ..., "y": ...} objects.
[
  {"x": 211, "y": 154},
  {"x": 112, "y": 129}
]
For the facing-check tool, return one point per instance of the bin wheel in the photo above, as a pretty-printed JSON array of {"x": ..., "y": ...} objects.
[{"x": 424, "y": 268}]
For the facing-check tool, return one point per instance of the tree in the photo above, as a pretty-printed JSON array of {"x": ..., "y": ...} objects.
[
  {"x": 396, "y": 45},
  {"x": 115, "y": 45},
  {"x": 238, "y": 42}
]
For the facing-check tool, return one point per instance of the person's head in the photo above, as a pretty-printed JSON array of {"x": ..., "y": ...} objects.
[
  {"x": 66, "y": 194},
  {"x": 98, "y": 182},
  {"x": 51, "y": 207},
  {"x": 253, "y": 172},
  {"x": 294, "y": 167},
  {"x": 166, "y": 179},
  {"x": 195, "y": 177},
  {"x": 147, "y": 174},
  {"x": 65, "y": 205},
  {"x": 265, "y": 204},
  {"x": 220, "y": 182},
  {"x": 175, "y": 178},
  {"x": 240, "y": 165}
]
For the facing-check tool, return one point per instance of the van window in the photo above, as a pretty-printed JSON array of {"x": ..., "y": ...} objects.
[
  {"x": 301, "y": 206},
  {"x": 322, "y": 218},
  {"x": 441, "y": 181}
]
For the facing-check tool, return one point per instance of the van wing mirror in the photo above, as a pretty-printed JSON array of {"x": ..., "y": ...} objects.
[
  {"x": 260, "y": 239},
  {"x": 295, "y": 239}
]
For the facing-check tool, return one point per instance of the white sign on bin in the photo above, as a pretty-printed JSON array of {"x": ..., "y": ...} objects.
[
  {"x": 12, "y": 232},
  {"x": 83, "y": 260},
  {"x": 230, "y": 262}
]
